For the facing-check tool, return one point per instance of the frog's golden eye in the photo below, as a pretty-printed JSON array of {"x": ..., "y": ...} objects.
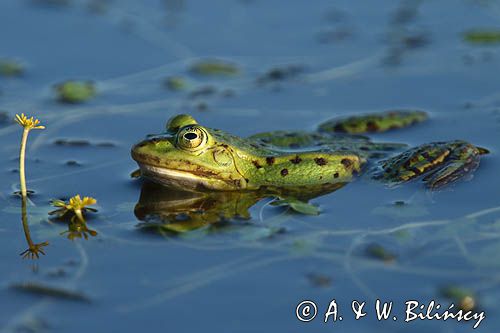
[{"x": 192, "y": 138}]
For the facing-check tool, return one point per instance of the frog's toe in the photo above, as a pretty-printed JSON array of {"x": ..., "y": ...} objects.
[
  {"x": 452, "y": 172},
  {"x": 440, "y": 163}
]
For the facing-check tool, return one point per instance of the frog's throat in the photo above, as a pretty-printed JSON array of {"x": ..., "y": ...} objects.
[{"x": 189, "y": 180}]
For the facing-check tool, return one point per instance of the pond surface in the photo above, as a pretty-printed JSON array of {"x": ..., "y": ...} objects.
[{"x": 244, "y": 275}]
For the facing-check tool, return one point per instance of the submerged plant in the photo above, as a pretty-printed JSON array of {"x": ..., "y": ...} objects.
[
  {"x": 28, "y": 124},
  {"x": 75, "y": 205}
]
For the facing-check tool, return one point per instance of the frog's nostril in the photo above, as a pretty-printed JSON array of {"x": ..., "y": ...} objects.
[{"x": 190, "y": 136}]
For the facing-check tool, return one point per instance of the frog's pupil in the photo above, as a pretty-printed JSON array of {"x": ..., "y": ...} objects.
[{"x": 190, "y": 136}]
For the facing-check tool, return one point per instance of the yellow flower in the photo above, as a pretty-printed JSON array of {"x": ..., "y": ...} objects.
[
  {"x": 76, "y": 204},
  {"x": 28, "y": 123}
]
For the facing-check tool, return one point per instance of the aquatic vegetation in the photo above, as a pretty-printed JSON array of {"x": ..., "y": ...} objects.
[
  {"x": 34, "y": 249},
  {"x": 464, "y": 298},
  {"x": 75, "y": 205},
  {"x": 281, "y": 73},
  {"x": 176, "y": 83},
  {"x": 28, "y": 124},
  {"x": 73, "y": 91},
  {"x": 215, "y": 68},
  {"x": 482, "y": 37},
  {"x": 10, "y": 68},
  {"x": 377, "y": 251},
  {"x": 45, "y": 290},
  {"x": 297, "y": 206}
]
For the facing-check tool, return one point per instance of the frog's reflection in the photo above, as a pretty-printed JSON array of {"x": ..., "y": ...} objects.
[{"x": 174, "y": 211}]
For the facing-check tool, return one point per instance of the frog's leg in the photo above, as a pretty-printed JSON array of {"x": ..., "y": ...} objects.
[
  {"x": 463, "y": 161},
  {"x": 373, "y": 122},
  {"x": 441, "y": 163}
]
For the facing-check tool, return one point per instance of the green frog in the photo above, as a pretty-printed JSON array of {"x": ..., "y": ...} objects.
[{"x": 190, "y": 156}]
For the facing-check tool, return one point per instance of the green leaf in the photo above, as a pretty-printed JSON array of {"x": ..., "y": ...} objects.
[{"x": 297, "y": 205}]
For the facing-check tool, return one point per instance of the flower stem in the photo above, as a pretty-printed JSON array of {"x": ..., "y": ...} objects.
[
  {"x": 79, "y": 215},
  {"x": 22, "y": 155}
]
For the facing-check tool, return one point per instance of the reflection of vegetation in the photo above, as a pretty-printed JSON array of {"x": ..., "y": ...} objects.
[
  {"x": 77, "y": 229},
  {"x": 482, "y": 36},
  {"x": 73, "y": 91},
  {"x": 176, "y": 83},
  {"x": 76, "y": 206},
  {"x": 34, "y": 250},
  {"x": 464, "y": 298}
]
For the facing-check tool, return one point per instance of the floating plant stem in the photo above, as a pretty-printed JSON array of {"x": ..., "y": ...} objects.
[{"x": 28, "y": 124}]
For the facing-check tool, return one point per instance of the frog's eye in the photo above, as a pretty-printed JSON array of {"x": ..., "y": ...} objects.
[{"x": 192, "y": 138}]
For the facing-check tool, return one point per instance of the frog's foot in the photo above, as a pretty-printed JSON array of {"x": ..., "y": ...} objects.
[
  {"x": 373, "y": 122},
  {"x": 441, "y": 163}
]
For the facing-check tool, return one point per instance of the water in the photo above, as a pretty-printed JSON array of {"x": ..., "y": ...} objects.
[{"x": 246, "y": 276}]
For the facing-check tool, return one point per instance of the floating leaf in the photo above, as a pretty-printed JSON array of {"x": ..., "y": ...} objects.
[
  {"x": 297, "y": 205},
  {"x": 482, "y": 36},
  {"x": 73, "y": 91},
  {"x": 215, "y": 68},
  {"x": 10, "y": 68},
  {"x": 176, "y": 83}
]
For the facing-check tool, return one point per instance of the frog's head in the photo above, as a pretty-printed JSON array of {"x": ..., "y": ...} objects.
[{"x": 188, "y": 157}]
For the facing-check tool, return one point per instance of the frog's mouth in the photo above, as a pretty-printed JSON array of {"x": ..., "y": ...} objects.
[{"x": 197, "y": 178}]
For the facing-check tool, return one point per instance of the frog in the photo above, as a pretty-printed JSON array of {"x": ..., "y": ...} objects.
[{"x": 193, "y": 157}]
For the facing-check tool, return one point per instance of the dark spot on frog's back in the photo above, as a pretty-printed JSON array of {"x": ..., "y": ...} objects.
[
  {"x": 347, "y": 163},
  {"x": 284, "y": 172},
  {"x": 320, "y": 161},
  {"x": 257, "y": 164},
  {"x": 371, "y": 126},
  {"x": 296, "y": 160},
  {"x": 270, "y": 160},
  {"x": 339, "y": 128},
  {"x": 336, "y": 175}
]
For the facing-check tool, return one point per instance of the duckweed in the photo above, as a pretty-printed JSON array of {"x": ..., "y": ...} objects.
[
  {"x": 482, "y": 36},
  {"x": 215, "y": 68}
]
